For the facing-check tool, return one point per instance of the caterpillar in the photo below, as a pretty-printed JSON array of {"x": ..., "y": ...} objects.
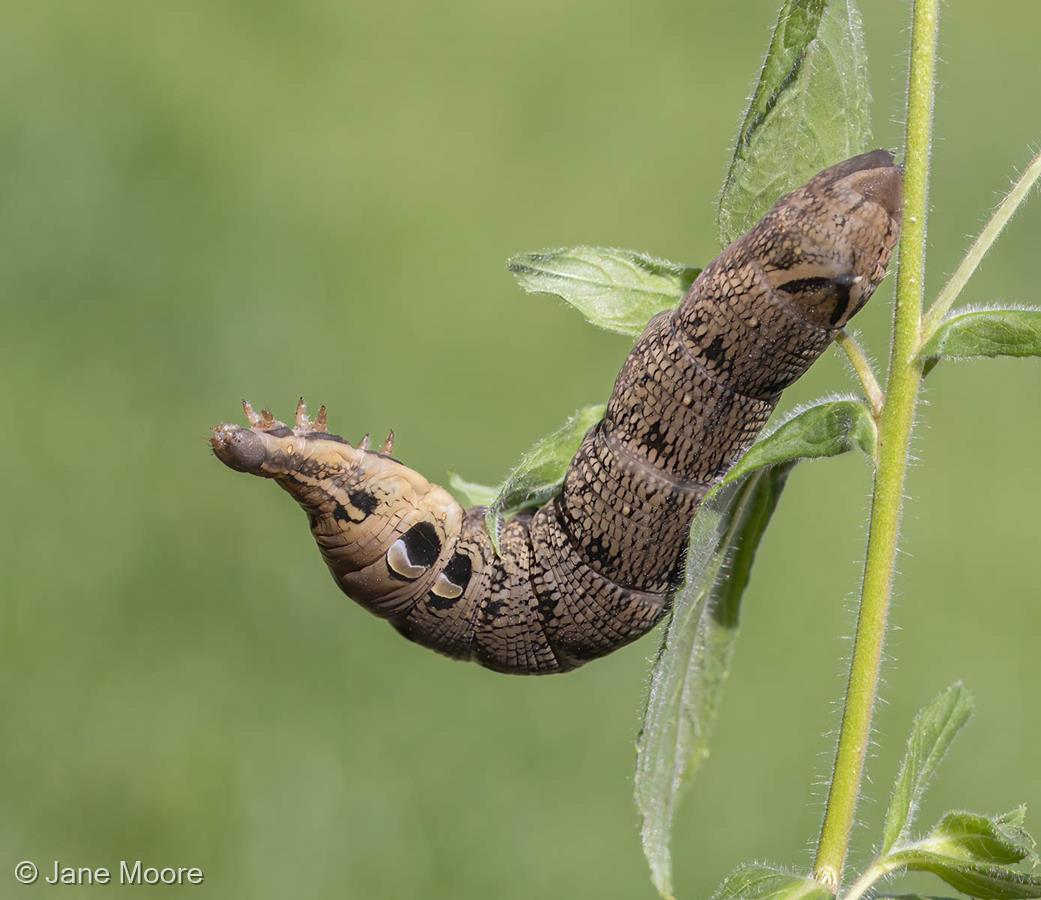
[{"x": 593, "y": 568}]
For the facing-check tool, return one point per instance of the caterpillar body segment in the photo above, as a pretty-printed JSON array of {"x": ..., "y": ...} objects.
[{"x": 593, "y": 568}]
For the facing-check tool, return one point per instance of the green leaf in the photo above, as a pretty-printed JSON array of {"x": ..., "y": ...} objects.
[
  {"x": 694, "y": 657},
  {"x": 1012, "y": 824},
  {"x": 998, "y": 839},
  {"x": 619, "y": 290},
  {"x": 977, "y": 333},
  {"x": 972, "y": 853},
  {"x": 826, "y": 428},
  {"x": 470, "y": 492},
  {"x": 811, "y": 108},
  {"x": 754, "y": 881},
  {"x": 698, "y": 644},
  {"x": 540, "y": 472},
  {"x": 932, "y": 733},
  {"x": 977, "y": 879}
]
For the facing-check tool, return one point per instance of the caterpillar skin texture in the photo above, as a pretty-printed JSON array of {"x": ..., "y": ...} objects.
[{"x": 592, "y": 569}]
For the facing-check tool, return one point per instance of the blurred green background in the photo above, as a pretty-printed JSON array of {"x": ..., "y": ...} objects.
[{"x": 204, "y": 201}]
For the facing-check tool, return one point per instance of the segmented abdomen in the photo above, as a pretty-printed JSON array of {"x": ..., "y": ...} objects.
[{"x": 592, "y": 569}]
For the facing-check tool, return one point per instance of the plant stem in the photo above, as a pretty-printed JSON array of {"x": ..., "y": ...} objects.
[
  {"x": 863, "y": 884},
  {"x": 894, "y": 442},
  {"x": 997, "y": 222},
  {"x": 865, "y": 372}
]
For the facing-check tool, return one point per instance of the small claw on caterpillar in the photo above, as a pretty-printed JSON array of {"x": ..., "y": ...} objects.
[
  {"x": 363, "y": 444},
  {"x": 302, "y": 424},
  {"x": 321, "y": 422},
  {"x": 388, "y": 444},
  {"x": 251, "y": 416}
]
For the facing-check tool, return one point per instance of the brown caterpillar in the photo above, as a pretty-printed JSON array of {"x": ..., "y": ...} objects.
[{"x": 592, "y": 569}]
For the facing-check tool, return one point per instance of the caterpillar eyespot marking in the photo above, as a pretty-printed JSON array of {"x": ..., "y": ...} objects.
[
  {"x": 593, "y": 568},
  {"x": 451, "y": 583},
  {"x": 444, "y": 593},
  {"x": 397, "y": 559},
  {"x": 411, "y": 555}
]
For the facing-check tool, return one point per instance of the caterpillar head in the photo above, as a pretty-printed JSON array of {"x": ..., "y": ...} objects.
[
  {"x": 271, "y": 449},
  {"x": 379, "y": 525},
  {"x": 338, "y": 484},
  {"x": 825, "y": 246}
]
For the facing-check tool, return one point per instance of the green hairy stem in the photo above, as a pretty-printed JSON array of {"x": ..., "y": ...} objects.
[{"x": 895, "y": 426}]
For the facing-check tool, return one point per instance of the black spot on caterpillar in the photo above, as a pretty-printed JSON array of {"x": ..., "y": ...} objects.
[{"x": 592, "y": 569}]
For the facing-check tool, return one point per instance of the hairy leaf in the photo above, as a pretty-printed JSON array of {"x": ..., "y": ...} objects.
[
  {"x": 826, "y": 428},
  {"x": 976, "y": 333},
  {"x": 540, "y": 472},
  {"x": 811, "y": 108},
  {"x": 694, "y": 656},
  {"x": 977, "y": 879},
  {"x": 754, "y": 881},
  {"x": 697, "y": 647},
  {"x": 470, "y": 492},
  {"x": 619, "y": 290},
  {"x": 932, "y": 733},
  {"x": 989, "y": 839}
]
